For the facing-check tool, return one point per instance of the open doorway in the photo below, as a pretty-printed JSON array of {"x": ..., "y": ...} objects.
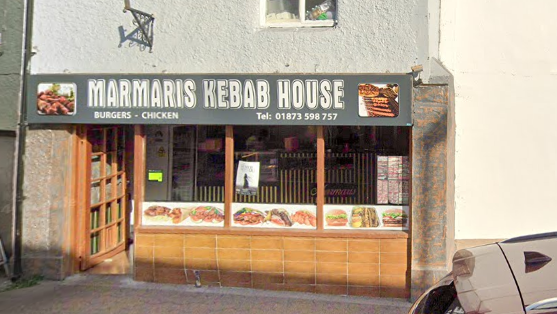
[{"x": 105, "y": 176}]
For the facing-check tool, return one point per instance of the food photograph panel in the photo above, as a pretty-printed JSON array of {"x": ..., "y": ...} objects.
[
  {"x": 378, "y": 100},
  {"x": 384, "y": 217},
  {"x": 183, "y": 214},
  {"x": 56, "y": 99},
  {"x": 274, "y": 216}
]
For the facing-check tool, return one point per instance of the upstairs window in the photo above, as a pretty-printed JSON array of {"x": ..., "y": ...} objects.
[{"x": 298, "y": 13}]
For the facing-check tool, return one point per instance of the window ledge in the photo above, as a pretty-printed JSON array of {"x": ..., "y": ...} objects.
[
  {"x": 312, "y": 24},
  {"x": 364, "y": 234}
]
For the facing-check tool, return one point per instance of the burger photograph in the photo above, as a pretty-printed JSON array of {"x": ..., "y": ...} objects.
[
  {"x": 394, "y": 217},
  {"x": 336, "y": 218}
]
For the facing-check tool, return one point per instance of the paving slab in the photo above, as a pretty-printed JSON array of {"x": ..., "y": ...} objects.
[{"x": 120, "y": 294}]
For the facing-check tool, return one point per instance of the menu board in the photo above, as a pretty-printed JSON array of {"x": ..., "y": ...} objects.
[
  {"x": 183, "y": 166},
  {"x": 387, "y": 217},
  {"x": 274, "y": 216},
  {"x": 183, "y": 214}
]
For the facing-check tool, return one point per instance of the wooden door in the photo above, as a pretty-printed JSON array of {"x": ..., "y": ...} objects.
[{"x": 104, "y": 184}]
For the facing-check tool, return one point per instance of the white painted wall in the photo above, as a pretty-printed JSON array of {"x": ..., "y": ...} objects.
[
  {"x": 194, "y": 36},
  {"x": 503, "y": 57}
]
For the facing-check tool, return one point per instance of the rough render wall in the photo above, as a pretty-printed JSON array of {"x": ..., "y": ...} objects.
[
  {"x": 46, "y": 194},
  {"x": 7, "y": 154},
  {"x": 226, "y": 37},
  {"x": 11, "y": 27},
  {"x": 432, "y": 241}
]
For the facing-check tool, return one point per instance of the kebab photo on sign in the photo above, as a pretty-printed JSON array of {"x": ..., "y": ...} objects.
[
  {"x": 56, "y": 99},
  {"x": 378, "y": 100}
]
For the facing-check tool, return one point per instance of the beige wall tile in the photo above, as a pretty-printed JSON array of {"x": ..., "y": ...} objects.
[
  {"x": 266, "y": 243},
  {"x": 393, "y": 269},
  {"x": 201, "y": 264},
  {"x": 363, "y": 280},
  {"x": 162, "y": 251},
  {"x": 299, "y": 267},
  {"x": 363, "y": 245},
  {"x": 394, "y": 245},
  {"x": 266, "y": 255},
  {"x": 332, "y": 257},
  {"x": 267, "y": 266},
  {"x": 201, "y": 253},
  {"x": 239, "y": 242},
  {"x": 169, "y": 240},
  {"x": 394, "y": 258},
  {"x": 363, "y": 269},
  {"x": 144, "y": 240},
  {"x": 371, "y": 258},
  {"x": 200, "y": 240},
  {"x": 302, "y": 256},
  {"x": 393, "y": 281},
  {"x": 336, "y": 268},
  {"x": 298, "y": 244},
  {"x": 331, "y": 245},
  {"x": 234, "y": 265},
  {"x": 234, "y": 254},
  {"x": 331, "y": 279}
]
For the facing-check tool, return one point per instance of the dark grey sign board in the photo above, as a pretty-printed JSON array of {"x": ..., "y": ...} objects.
[{"x": 227, "y": 99}]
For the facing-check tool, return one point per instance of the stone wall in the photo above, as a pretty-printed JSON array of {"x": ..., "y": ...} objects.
[
  {"x": 47, "y": 190},
  {"x": 432, "y": 172}
]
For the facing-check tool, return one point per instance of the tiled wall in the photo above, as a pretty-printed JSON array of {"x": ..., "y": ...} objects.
[{"x": 364, "y": 267}]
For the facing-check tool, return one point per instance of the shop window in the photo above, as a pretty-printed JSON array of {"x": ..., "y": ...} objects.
[
  {"x": 185, "y": 176},
  {"x": 367, "y": 177},
  {"x": 298, "y": 13},
  {"x": 275, "y": 176}
]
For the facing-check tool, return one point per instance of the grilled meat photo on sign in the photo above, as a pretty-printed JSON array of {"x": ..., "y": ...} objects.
[
  {"x": 249, "y": 216},
  {"x": 379, "y": 101},
  {"x": 208, "y": 214},
  {"x": 279, "y": 216},
  {"x": 304, "y": 217},
  {"x": 364, "y": 217},
  {"x": 54, "y": 102},
  {"x": 157, "y": 213}
]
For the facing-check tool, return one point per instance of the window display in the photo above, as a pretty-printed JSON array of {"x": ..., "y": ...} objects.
[
  {"x": 355, "y": 169},
  {"x": 366, "y": 177}
]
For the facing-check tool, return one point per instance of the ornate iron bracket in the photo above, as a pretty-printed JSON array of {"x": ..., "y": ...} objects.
[{"x": 145, "y": 22}]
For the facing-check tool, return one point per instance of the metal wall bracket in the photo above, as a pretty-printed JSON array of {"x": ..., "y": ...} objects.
[{"x": 145, "y": 22}]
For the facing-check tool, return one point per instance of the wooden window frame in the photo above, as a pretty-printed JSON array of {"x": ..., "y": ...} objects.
[
  {"x": 320, "y": 231},
  {"x": 301, "y": 23}
]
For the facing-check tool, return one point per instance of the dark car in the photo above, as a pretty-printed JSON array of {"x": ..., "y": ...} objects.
[{"x": 518, "y": 275}]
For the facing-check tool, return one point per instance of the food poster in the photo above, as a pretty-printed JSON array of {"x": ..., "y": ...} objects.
[
  {"x": 247, "y": 178},
  {"x": 56, "y": 99},
  {"x": 378, "y": 100},
  {"x": 382, "y": 217},
  {"x": 274, "y": 216},
  {"x": 183, "y": 214}
]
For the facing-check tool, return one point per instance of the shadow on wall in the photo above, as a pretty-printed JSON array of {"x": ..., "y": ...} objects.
[{"x": 134, "y": 38}]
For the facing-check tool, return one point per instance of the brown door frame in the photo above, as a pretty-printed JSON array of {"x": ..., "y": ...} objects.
[{"x": 82, "y": 258}]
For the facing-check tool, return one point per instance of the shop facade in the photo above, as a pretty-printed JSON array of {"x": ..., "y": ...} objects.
[{"x": 324, "y": 182}]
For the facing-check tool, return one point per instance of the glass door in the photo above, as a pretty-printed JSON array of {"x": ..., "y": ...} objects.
[{"x": 106, "y": 206}]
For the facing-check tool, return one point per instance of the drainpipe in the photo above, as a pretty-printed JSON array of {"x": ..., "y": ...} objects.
[{"x": 20, "y": 139}]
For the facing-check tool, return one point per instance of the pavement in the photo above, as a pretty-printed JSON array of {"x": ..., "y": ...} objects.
[{"x": 120, "y": 294}]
